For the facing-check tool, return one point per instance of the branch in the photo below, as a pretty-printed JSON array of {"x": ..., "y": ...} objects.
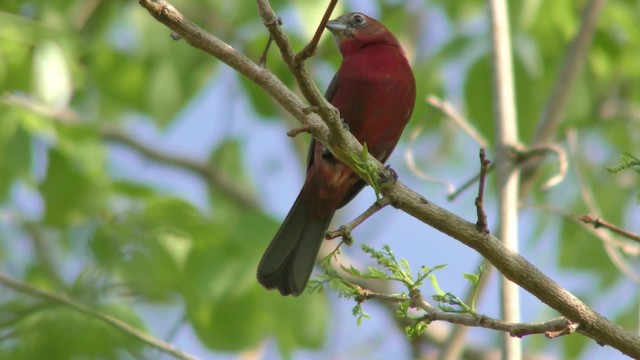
[
  {"x": 345, "y": 230},
  {"x": 598, "y": 223},
  {"x": 508, "y": 176},
  {"x": 346, "y": 148},
  {"x": 523, "y": 155},
  {"x": 569, "y": 70},
  {"x": 450, "y": 112},
  {"x": 311, "y": 47},
  {"x": 409, "y": 158},
  {"x": 435, "y": 314},
  {"x": 482, "y": 225},
  {"x": 117, "y": 324},
  {"x": 213, "y": 177}
]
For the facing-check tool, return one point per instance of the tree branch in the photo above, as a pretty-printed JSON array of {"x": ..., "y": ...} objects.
[
  {"x": 312, "y": 46},
  {"x": 214, "y": 178},
  {"x": 451, "y": 113},
  {"x": 345, "y": 230},
  {"x": 601, "y": 223},
  {"x": 435, "y": 314},
  {"x": 508, "y": 175},
  {"x": 345, "y": 147},
  {"x": 117, "y": 324},
  {"x": 567, "y": 74}
]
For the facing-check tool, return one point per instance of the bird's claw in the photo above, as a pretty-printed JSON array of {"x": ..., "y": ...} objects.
[
  {"x": 345, "y": 125},
  {"x": 388, "y": 176}
]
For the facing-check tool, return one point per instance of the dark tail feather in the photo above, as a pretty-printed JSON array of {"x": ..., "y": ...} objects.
[{"x": 288, "y": 261}]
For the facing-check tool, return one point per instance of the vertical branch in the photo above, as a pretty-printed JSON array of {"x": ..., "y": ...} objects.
[
  {"x": 559, "y": 96},
  {"x": 508, "y": 175}
]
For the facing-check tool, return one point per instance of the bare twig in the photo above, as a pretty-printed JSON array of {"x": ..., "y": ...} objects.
[
  {"x": 346, "y": 148},
  {"x": 598, "y": 223},
  {"x": 450, "y": 112},
  {"x": 467, "y": 184},
  {"x": 117, "y": 324},
  {"x": 586, "y": 194},
  {"x": 628, "y": 248},
  {"x": 299, "y": 130},
  {"x": 481, "y": 224},
  {"x": 523, "y": 155},
  {"x": 312, "y": 46},
  {"x": 263, "y": 59},
  {"x": 409, "y": 158},
  {"x": 213, "y": 177},
  {"x": 345, "y": 230},
  {"x": 64, "y": 115}
]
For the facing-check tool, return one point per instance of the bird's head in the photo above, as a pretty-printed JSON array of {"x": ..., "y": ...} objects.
[{"x": 356, "y": 30}]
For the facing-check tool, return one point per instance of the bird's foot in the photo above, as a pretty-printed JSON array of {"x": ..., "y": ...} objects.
[{"x": 388, "y": 176}]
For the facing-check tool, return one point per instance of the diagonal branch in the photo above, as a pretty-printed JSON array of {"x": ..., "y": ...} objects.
[
  {"x": 559, "y": 96},
  {"x": 117, "y": 324},
  {"x": 346, "y": 148},
  {"x": 311, "y": 47},
  {"x": 435, "y": 314},
  {"x": 214, "y": 179},
  {"x": 601, "y": 223}
]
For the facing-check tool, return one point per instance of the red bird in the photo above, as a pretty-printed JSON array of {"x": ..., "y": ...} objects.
[{"x": 375, "y": 91}]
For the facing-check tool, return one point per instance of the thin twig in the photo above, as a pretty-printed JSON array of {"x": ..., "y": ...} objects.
[
  {"x": 263, "y": 59},
  {"x": 299, "y": 130},
  {"x": 451, "y": 113},
  {"x": 409, "y": 158},
  {"x": 599, "y": 222},
  {"x": 435, "y": 314},
  {"x": 482, "y": 225},
  {"x": 117, "y": 324},
  {"x": 214, "y": 178},
  {"x": 312, "y": 46},
  {"x": 467, "y": 184},
  {"x": 316, "y": 98},
  {"x": 345, "y": 230},
  {"x": 586, "y": 194},
  {"x": 628, "y": 248},
  {"x": 523, "y": 155}
]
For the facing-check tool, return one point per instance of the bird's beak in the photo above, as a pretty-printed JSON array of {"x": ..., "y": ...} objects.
[{"x": 336, "y": 26}]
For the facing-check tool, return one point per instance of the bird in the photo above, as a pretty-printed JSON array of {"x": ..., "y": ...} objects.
[{"x": 374, "y": 90}]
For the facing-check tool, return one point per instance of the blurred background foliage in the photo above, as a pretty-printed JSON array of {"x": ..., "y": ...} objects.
[{"x": 91, "y": 89}]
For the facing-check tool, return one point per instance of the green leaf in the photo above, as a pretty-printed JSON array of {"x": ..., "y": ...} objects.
[
  {"x": 15, "y": 155},
  {"x": 66, "y": 190}
]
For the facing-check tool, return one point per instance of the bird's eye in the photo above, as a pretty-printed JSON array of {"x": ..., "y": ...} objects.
[{"x": 359, "y": 19}]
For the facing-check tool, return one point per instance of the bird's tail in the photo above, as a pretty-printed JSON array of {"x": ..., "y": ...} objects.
[{"x": 288, "y": 261}]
